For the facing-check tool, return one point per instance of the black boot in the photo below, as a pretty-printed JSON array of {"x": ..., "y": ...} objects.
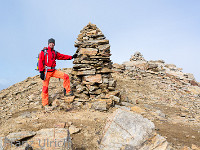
[
  {"x": 64, "y": 92},
  {"x": 71, "y": 93}
]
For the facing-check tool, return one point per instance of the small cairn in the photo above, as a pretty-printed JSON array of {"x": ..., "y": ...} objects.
[
  {"x": 91, "y": 73},
  {"x": 137, "y": 56}
]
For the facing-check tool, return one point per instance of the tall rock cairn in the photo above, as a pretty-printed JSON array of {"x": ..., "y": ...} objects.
[{"x": 91, "y": 74}]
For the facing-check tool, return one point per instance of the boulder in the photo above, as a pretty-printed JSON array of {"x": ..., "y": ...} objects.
[{"x": 128, "y": 130}]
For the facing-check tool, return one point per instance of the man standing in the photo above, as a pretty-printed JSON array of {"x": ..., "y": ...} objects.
[{"x": 47, "y": 64}]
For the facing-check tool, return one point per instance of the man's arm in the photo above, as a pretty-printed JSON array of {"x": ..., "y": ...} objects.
[{"x": 60, "y": 56}]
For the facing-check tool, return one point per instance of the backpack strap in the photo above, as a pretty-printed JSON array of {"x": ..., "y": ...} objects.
[
  {"x": 45, "y": 53},
  {"x": 56, "y": 52}
]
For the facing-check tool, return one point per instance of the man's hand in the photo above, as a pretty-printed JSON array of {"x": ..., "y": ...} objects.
[
  {"x": 42, "y": 75},
  {"x": 45, "y": 48},
  {"x": 74, "y": 56}
]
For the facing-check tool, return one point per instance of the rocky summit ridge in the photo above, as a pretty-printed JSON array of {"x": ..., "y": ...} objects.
[{"x": 138, "y": 104}]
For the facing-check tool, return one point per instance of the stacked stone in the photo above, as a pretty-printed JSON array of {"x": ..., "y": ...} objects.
[
  {"x": 91, "y": 75},
  {"x": 137, "y": 56}
]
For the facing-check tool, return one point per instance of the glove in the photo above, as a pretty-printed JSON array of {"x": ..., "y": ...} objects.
[
  {"x": 74, "y": 56},
  {"x": 45, "y": 48},
  {"x": 42, "y": 75}
]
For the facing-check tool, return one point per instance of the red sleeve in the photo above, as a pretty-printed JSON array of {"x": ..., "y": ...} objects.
[
  {"x": 41, "y": 61},
  {"x": 60, "y": 56}
]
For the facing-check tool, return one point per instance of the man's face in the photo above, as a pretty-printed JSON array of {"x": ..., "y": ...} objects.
[{"x": 51, "y": 45}]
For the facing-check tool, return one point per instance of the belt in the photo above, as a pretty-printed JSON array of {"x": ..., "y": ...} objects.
[
  {"x": 47, "y": 69},
  {"x": 50, "y": 67}
]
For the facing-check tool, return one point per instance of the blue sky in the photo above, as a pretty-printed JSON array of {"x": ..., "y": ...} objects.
[{"x": 159, "y": 29}]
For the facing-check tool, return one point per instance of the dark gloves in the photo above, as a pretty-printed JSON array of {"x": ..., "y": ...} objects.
[
  {"x": 45, "y": 48},
  {"x": 42, "y": 75},
  {"x": 74, "y": 56}
]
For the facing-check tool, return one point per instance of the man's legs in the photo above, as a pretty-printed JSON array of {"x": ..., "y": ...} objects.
[
  {"x": 65, "y": 77},
  {"x": 45, "y": 95}
]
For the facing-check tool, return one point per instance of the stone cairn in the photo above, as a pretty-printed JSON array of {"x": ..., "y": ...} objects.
[
  {"x": 137, "y": 56},
  {"x": 91, "y": 74}
]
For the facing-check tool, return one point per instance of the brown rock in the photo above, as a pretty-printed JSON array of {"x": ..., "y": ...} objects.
[
  {"x": 118, "y": 66},
  {"x": 106, "y": 70},
  {"x": 91, "y": 88},
  {"x": 78, "y": 66},
  {"x": 81, "y": 100},
  {"x": 100, "y": 105},
  {"x": 109, "y": 102},
  {"x": 73, "y": 129},
  {"x": 185, "y": 148},
  {"x": 82, "y": 96},
  {"x": 111, "y": 83},
  {"x": 87, "y": 83},
  {"x": 60, "y": 125},
  {"x": 194, "y": 83},
  {"x": 56, "y": 103},
  {"x": 96, "y": 92},
  {"x": 104, "y": 47},
  {"x": 137, "y": 109},
  {"x": 93, "y": 78},
  {"x": 97, "y": 42},
  {"x": 69, "y": 99},
  {"x": 115, "y": 93},
  {"x": 93, "y": 32},
  {"x": 194, "y": 147},
  {"x": 86, "y": 72},
  {"x": 88, "y": 51},
  {"x": 99, "y": 57},
  {"x": 88, "y": 62}
]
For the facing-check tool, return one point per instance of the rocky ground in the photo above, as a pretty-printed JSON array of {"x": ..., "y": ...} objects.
[
  {"x": 172, "y": 105},
  {"x": 165, "y": 95},
  {"x": 140, "y": 104},
  {"x": 176, "y": 115}
]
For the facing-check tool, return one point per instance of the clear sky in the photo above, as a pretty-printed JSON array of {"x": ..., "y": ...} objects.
[{"x": 159, "y": 29}]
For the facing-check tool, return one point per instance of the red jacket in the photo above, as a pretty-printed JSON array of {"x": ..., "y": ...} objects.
[{"x": 52, "y": 56}]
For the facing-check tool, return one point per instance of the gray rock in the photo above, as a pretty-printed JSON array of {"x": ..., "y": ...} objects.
[
  {"x": 123, "y": 107},
  {"x": 127, "y": 104},
  {"x": 17, "y": 136},
  {"x": 159, "y": 113},
  {"x": 112, "y": 83},
  {"x": 115, "y": 98},
  {"x": 1, "y": 143},
  {"x": 99, "y": 105},
  {"x": 73, "y": 129},
  {"x": 125, "y": 129}
]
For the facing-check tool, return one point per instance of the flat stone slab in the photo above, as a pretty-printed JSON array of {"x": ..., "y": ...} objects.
[
  {"x": 93, "y": 78},
  {"x": 17, "y": 136},
  {"x": 51, "y": 139},
  {"x": 88, "y": 51}
]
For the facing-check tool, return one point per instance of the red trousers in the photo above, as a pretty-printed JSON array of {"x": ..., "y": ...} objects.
[{"x": 56, "y": 74}]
